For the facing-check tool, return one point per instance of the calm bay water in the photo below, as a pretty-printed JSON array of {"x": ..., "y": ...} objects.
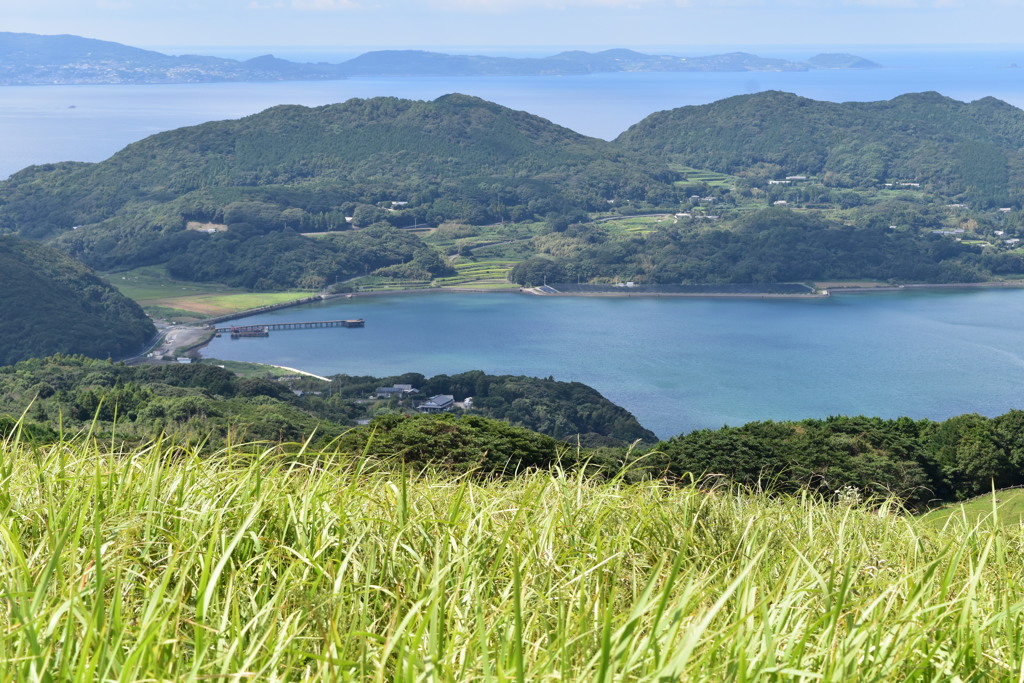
[
  {"x": 43, "y": 124},
  {"x": 679, "y": 364}
]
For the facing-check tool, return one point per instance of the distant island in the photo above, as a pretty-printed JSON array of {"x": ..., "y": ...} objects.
[{"x": 31, "y": 59}]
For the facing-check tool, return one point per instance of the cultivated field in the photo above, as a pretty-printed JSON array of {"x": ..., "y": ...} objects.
[{"x": 155, "y": 291}]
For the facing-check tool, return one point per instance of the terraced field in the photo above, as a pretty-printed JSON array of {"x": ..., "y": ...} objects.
[
  {"x": 638, "y": 225},
  {"x": 486, "y": 274},
  {"x": 697, "y": 175}
]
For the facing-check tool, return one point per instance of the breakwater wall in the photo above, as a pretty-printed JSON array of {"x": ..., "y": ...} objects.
[{"x": 263, "y": 309}]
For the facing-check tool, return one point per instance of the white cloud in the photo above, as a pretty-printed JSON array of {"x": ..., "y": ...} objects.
[
  {"x": 325, "y": 5},
  {"x": 511, "y": 5},
  {"x": 894, "y": 4}
]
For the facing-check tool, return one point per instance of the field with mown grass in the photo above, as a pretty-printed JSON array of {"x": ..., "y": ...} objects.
[
  {"x": 1004, "y": 507},
  {"x": 159, "y": 294},
  {"x": 264, "y": 563}
]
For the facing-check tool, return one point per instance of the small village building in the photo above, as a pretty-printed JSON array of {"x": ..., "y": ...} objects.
[
  {"x": 396, "y": 391},
  {"x": 442, "y": 403}
]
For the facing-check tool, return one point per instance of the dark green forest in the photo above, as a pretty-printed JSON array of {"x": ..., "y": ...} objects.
[
  {"x": 50, "y": 304},
  {"x": 972, "y": 152},
  {"x": 922, "y": 461}
]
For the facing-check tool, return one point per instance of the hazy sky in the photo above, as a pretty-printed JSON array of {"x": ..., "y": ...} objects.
[{"x": 683, "y": 25}]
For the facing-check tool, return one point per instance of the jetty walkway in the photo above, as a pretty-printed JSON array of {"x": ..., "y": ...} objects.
[{"x": 263, "y": 330}]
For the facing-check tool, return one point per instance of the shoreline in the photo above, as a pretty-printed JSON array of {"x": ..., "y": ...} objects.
[
  {"x": 533, "y": 291},
  {"x": 819, "y": 293}
]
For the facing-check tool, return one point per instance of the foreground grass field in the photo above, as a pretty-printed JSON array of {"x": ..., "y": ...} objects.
[{"x": 157, "y": 564}]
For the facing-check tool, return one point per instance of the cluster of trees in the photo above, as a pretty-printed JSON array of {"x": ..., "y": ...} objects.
[
  {"x": 971, "y": 152},
  {"x": 922, "y": 461},
  {"x": 244, "y": 257},
  {"x": 457, "y": 443},
  {"x": 53, "y": 304},
  {"x": 194, "y": 401},
  {"x": 772, "y": 245}
]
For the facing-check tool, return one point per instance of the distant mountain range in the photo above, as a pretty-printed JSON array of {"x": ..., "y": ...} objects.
[{"x": 31, "y": 59}]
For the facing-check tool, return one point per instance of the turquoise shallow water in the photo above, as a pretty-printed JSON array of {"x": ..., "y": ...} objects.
[{"x": 680, "y": 364}]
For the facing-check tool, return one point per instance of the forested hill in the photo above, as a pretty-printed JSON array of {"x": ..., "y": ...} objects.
[
  {"x": 52, "y": 304},
  {"x": 456, "y": 158},
  {"x": 973, "y": 151}
]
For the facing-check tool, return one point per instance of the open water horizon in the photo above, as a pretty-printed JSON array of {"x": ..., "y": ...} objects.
[{"x": 46, "y": 124}]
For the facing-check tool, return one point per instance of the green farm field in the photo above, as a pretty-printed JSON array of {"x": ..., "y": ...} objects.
[{"x": 150, "y": 286}]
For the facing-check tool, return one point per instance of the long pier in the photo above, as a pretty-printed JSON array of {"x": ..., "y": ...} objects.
[{"x": 264, "y": 329}]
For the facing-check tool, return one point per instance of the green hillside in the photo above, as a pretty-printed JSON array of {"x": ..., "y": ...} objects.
[
  {"x": 53, "y": 304},
  {"x": 265, "y": 178},
  {"x": 760, "y": 188},
  {"x": 969, "y": 151}
]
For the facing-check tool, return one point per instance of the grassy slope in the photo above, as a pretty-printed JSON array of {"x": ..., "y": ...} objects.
[
  {"x": 1006, "y": 507},
  {"x": 248, "y": 564},
  {"x": 152, "y": 288}
]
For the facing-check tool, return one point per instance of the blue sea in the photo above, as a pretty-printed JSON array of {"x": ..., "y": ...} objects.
[
  {"x": 43, "y": 124},
  {"x": 680, "y": 364}
]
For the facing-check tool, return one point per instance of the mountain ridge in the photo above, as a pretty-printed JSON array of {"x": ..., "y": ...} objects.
[{"x": 33, "y": 59}]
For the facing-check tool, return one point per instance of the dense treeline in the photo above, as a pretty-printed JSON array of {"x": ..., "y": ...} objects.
[
  {"x": 201, "y": 400},
  {"x": 971, "y": 152},
  {"x": 771, "y": 245},
  {"x": 245, "y": 257},
  {"x": 921, "y": 461},
  {"x": 52, "y": 304}
]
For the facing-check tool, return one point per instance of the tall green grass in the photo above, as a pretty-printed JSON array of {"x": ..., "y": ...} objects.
[{"x": 158, "y": 564}]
